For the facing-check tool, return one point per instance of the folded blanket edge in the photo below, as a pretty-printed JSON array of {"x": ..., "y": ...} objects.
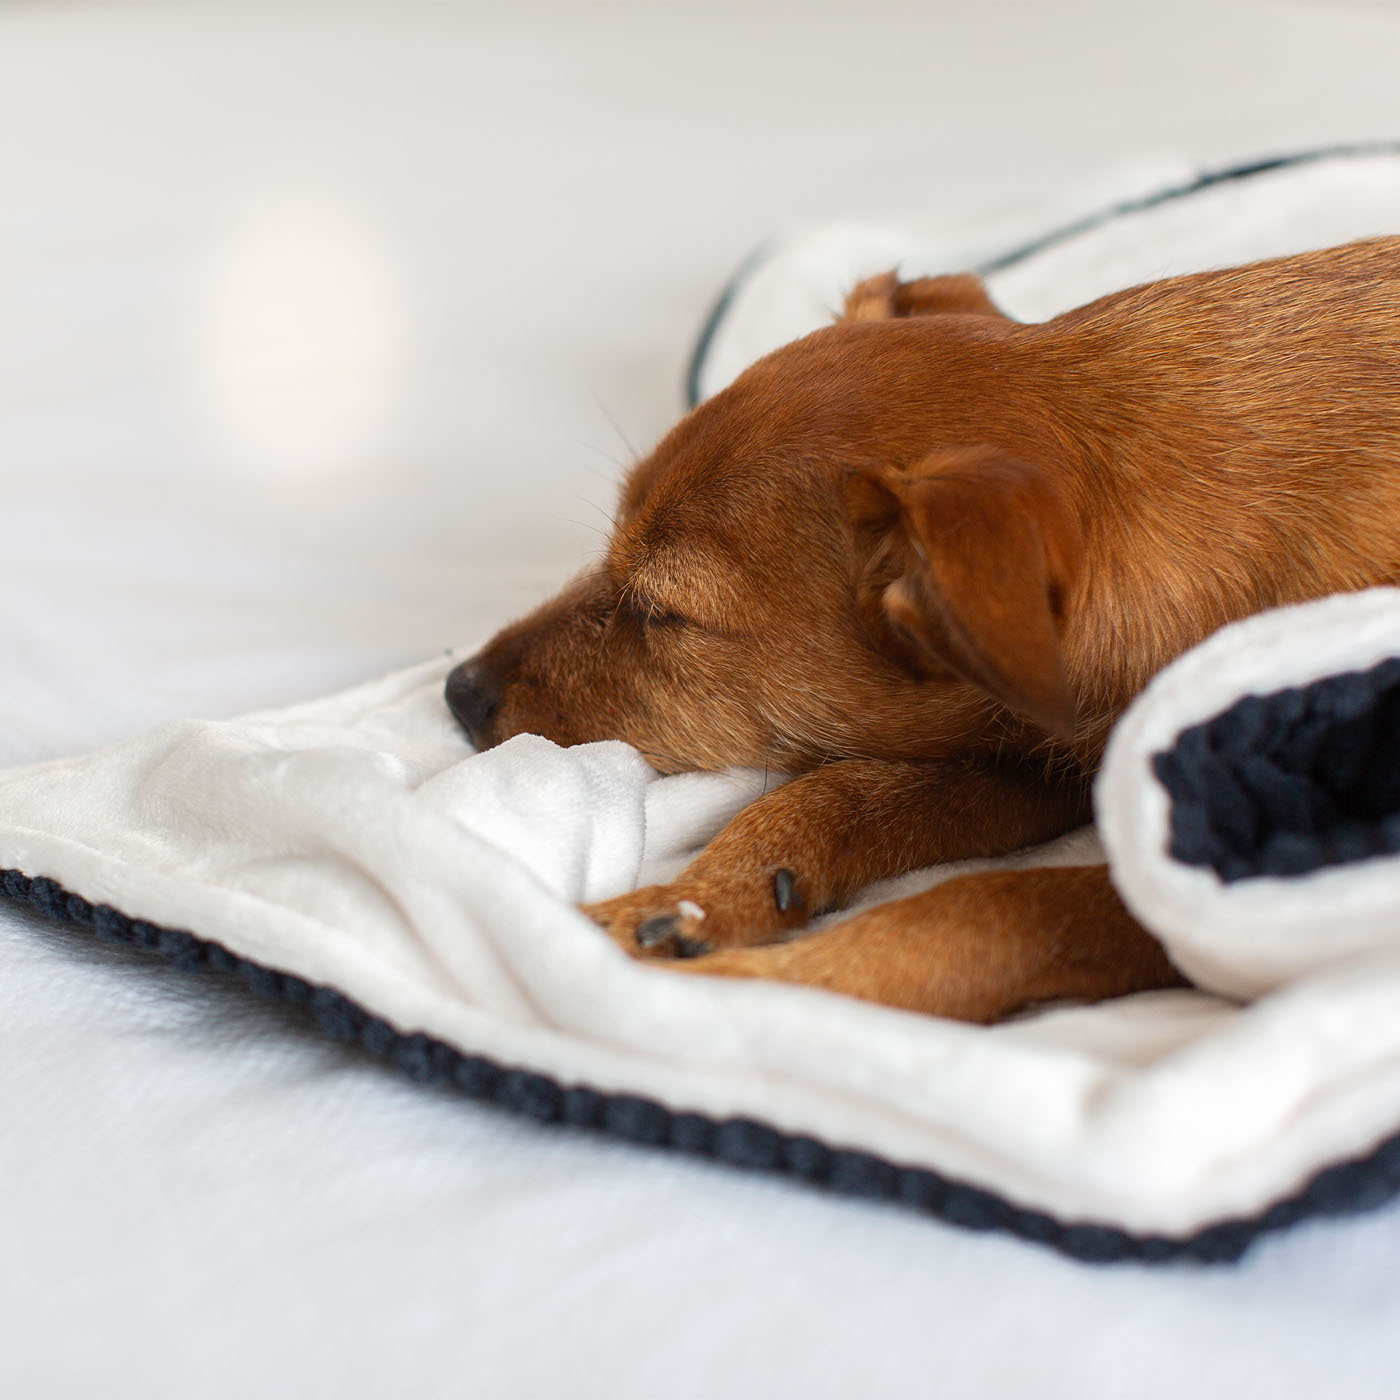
[{"x": 1346, "y": 1187}]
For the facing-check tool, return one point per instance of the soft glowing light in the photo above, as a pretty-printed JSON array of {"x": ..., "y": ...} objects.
[{"x": 303, "y": 336}]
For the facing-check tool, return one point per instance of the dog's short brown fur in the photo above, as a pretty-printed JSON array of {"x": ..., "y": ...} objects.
[{"x": 922, "y": 559}]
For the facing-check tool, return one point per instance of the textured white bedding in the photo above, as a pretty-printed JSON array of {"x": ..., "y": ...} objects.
[{"x": 197, "y": 1197}]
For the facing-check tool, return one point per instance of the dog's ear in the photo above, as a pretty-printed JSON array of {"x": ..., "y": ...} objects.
[
  {"x": 884, "y": 553},
  {"x": 885, "y": 298},
  {"x": 973, "y": 555}
]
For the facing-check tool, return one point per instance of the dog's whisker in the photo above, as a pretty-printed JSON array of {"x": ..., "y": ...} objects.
[
  {"x": 619, "y": 464},
  {"x": 586, "y": 525},
  {"x": 606, "y": 514},
  {"x": 632, "y": 452}
]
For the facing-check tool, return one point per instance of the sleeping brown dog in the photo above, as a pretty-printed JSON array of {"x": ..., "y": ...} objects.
[{"x": 921, "y": 560}]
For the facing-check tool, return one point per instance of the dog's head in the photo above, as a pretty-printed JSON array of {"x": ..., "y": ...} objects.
[{"x": 811, "y": 566}]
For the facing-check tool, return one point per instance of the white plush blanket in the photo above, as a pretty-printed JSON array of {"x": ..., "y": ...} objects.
[{"x": 355, "y": 844}]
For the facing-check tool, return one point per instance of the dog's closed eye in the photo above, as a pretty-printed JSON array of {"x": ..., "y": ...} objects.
[
  {"x": 662, "y": 618},
  {"x": 646, "y": 613}
]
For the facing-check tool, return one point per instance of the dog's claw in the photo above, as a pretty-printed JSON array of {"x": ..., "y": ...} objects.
[
  {"x": 785, "y": 890},
  {"x": 656, "y": 929},
  {"x": 690, "y": 947},
  {"x": 659, "y": 929}
]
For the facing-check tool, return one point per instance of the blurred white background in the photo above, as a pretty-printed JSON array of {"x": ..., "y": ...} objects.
[
  {"x": 324, "y": 332},
  {"x": 358, "y": 288}
]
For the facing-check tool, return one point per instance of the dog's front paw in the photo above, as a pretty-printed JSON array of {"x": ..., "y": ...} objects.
[{"x": 696, "y": 916}]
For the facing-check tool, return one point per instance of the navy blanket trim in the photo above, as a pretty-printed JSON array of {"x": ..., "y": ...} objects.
[
  {"x": 718, "y": 312},
  {"x": 741, "y": 1142},
  {"x": 1048, "y": 240},
  {"x": 1287, "y": 783},
  {"x": 1205, "y": 181}
]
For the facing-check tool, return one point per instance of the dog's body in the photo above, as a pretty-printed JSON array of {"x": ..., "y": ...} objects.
[{"x": 922, "y": 559}]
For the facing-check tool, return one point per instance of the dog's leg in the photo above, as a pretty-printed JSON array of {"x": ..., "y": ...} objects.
[
  {"x": 975, "y": 948},
  {"x": 886, "y": 298},
  {"x": 808, "y": 846}
]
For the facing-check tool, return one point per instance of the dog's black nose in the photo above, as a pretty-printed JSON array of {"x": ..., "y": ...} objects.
[{"x": 474, "y": 700}]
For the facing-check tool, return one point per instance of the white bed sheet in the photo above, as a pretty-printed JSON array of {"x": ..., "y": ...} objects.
[{"x": 311, "y": 322}]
